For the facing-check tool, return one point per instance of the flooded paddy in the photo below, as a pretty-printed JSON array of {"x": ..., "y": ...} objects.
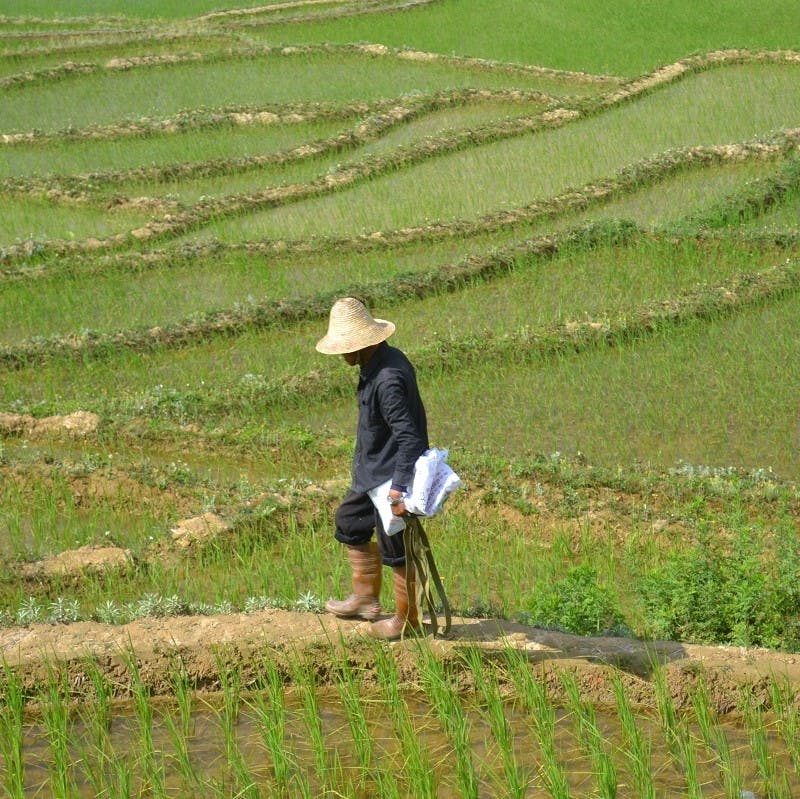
[{"x": 367, "y": 720}]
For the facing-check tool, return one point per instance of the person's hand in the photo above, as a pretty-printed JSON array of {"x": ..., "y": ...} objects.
[{"x": 396, "y": 502}]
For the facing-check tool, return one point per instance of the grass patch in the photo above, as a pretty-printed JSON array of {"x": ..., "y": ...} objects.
[
  {"x": 707, "y": 394},
  {"x": 336, "y": 77},
  {"x": 783, "y": 216},
  {"x": 702, "y": 109},
  {"x": 147, "y": 9},
  {"x": 53, "y": 50},
  {"x": 629, "y": 40},
  {"x": 69, "y": 157},
  {"x": 36, "y": 219},
  {"x": 574, "y": 285}
]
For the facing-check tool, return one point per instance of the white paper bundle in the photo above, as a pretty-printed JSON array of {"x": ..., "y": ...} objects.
[
  {"x": 391, "y": 524},
  {"x": 433, "y": 482}
]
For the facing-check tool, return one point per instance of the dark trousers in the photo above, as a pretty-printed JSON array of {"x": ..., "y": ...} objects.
[{"x": 356, "y": 519}]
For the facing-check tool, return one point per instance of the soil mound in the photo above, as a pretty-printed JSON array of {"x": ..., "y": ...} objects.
[
  {"x": 200, "y": 643},
  {"x": 80, "y": 423},
  {"x": 75, "y": 562}
]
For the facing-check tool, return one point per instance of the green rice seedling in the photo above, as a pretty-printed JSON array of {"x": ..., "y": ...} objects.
[
  {"x": 327, "y": 767},
  {"x": 11, "y": 731},
  {"x": 148, "y": 762},
  {"x": 230, "y": 676},
  {"x": 123, "y": 778},
  {"x": 716, "y": 741},
  {"x": 90, "y": 759},
  {"x": 514, "y": 31},
  {"x": 453, "y": 719},
  {"x": 95, "y": 750},
  {"x": 666, "y": 707},
  {"x": 784, "y": 703},
  {"x": 688, "y": 759},
  {"x": 589, "y": 150},
  {"x": 107, "y": 157},
  {"x": 515, "y": 779},
  {"x": 542, "y": 720},
  {"x": 101, "y": 695},
  {"x": 338, "y": 78},
  {"x": 590, "y": 738},
  {"x": 268, "y": 702},
  {"x": 420, "y": 776},
  {"x": 56, "y": 717},
  {"x": 348, "y": 685},
  {"x": 774, "y": 779},
  {"x": 180, "y": 731},
  {"x": 676, "y": 732},
  {"x": 386, "y": 785},
  {"x": 637, "y": 747}
]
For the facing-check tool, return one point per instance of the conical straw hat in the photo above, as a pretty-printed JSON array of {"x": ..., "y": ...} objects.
[{"x": 351, "y": 328}]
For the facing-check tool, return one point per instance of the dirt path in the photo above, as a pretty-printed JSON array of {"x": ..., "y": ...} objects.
[{"x": 200, "y": 643}]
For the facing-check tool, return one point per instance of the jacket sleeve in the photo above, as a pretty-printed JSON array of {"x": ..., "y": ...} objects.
[{"x": 395, "y": 405}]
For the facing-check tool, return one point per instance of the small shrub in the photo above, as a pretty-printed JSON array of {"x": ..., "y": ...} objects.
[
  {"x": 578, "y": 604},
  {"x": 742, "y": 594}
]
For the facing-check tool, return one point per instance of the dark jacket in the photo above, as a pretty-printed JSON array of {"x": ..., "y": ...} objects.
[{"x": 392, "y": 427}]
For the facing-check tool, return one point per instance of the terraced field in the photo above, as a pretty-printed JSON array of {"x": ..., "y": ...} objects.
[{"x": 595, "y": 274}]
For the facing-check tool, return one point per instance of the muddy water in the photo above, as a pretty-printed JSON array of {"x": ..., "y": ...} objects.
[{"x": 212, "y": 755}]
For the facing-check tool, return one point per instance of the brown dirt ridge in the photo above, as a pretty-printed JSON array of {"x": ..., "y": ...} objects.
[{"x": 200, "y": 644}]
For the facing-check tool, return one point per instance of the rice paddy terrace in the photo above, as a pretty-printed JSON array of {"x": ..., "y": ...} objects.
[{"x": 592, "y": 259}]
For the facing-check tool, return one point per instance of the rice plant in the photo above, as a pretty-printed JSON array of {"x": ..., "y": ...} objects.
[
  {"x": 348, "y": 685},
  {"x": 677, "y": 734},
  {"x": 516, "y": 777},
  {"x": 637, "y": 747},
  {"x": 12, "y": 728},
  {"x": 784, "y": 704},
  {"x": 541, "y": 717},
  {"x": 327, "y": 765},
  {"x": 57, "y": 722},
  {"x": 453, "y": 719},
  {"x": 418, "y": 767},
  {"x": 268, "y": 702},
  {"x": 179, "y": 729},
  {"x": 149, "y": 762},
  {"x": 716, "y": 742},
  {"x": 230, "y": 676},
  {"x": 591, "y": 740},
  {"x": 773, "y": 776}
]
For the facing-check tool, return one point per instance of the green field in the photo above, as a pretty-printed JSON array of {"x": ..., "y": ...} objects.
[
  {"x": 584, "y": 220},
  {"x": 176, "y": 228}
]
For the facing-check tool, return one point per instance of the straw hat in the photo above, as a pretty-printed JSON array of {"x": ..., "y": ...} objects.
[{"x": 351, "y": 328}]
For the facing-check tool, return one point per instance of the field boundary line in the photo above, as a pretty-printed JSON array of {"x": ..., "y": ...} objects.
[
  {"x": 253, "y": 53},
  {"x": 277, "y": 313},
  {"x": 364, "y": 9},
  {"x": 527, "y": 345},
  {"x": 629, "y": 179},
  {"x": 255, "y": 10},
  {"x": 204, "y": 118},
  {"x": 626, "y": 90},
  {"x": 176, "y": 224},
  {"x": 384, "y": 117}
]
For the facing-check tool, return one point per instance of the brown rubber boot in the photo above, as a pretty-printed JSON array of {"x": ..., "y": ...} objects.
[
  {"x": 363, "y": 603},
  {"x": 406, "y": 615}
]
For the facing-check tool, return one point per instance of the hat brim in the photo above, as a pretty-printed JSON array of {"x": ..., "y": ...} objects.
[{"x": 338, "y": 344}]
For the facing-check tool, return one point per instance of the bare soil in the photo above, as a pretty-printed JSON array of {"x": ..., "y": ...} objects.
[{"x": 201, "y": 643}]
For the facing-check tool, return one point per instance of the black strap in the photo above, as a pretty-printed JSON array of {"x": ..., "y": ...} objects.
[{"x": 420, "y": 556}]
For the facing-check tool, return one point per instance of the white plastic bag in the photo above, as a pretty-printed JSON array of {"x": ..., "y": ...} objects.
[{"x": 433, "y": 482}]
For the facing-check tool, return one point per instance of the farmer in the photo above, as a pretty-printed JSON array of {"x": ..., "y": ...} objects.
[{"x": 392, "y": 433}]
